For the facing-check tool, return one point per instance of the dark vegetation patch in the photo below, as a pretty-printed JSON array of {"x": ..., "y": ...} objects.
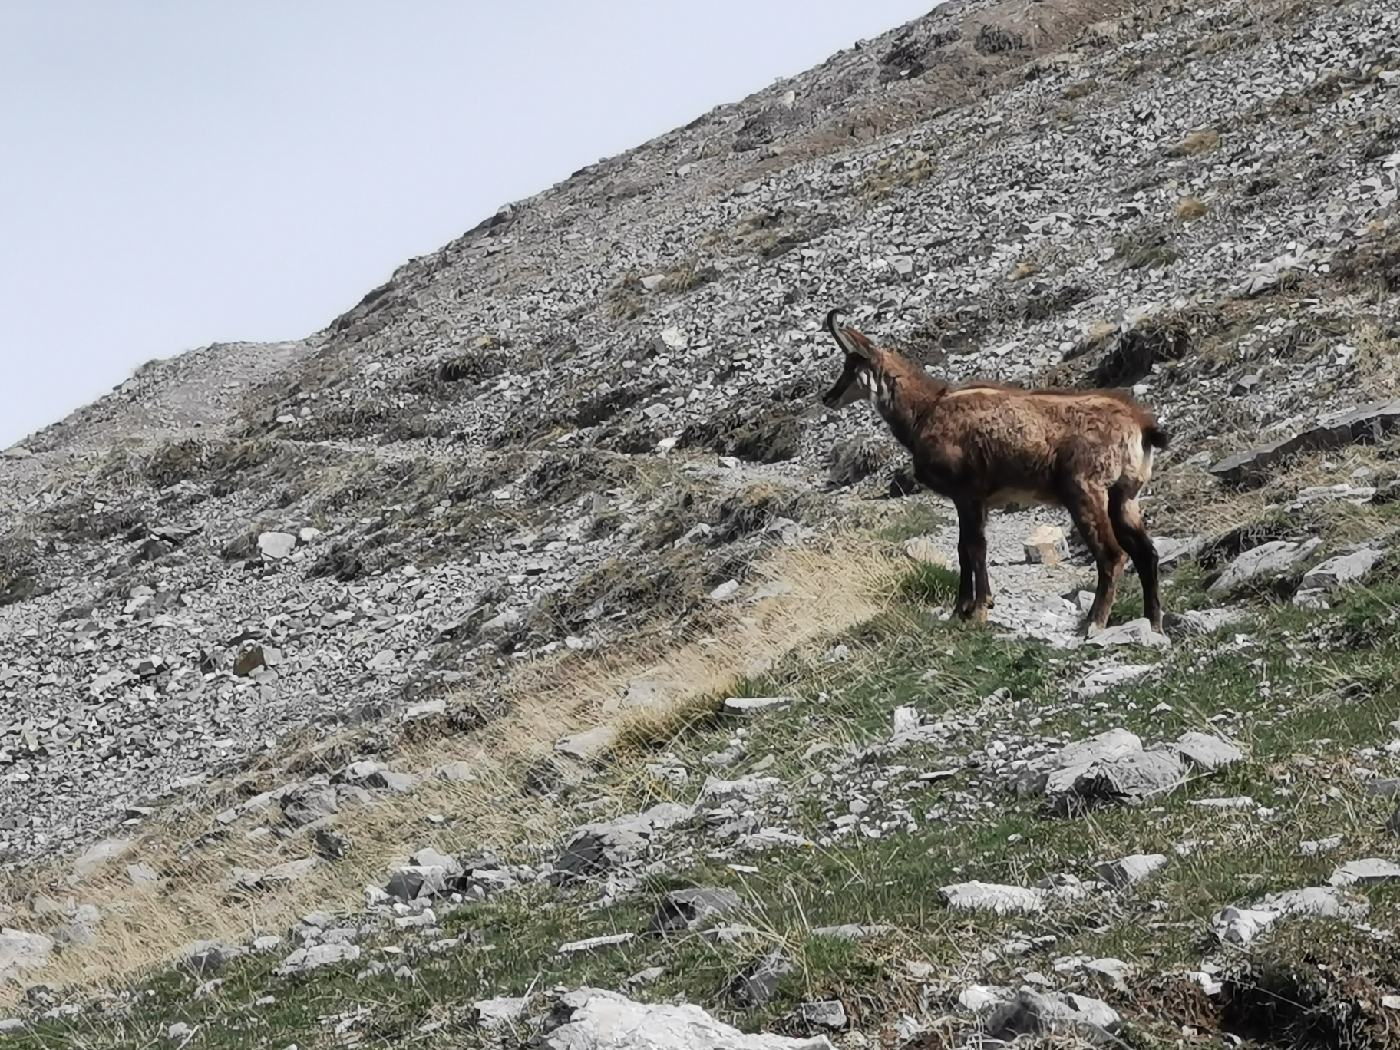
[
  {"x": 1145, "y": 249},
  {"x": 911, "y": 53},
  {"x": 959, "y": 328},
  {"x": 1044, "y": 303},
  {"x": 341, "y": 561},
  {"x": 177, "y": 461},
  {"x": 19, "y": 569},
  {"x": 625, "y": 300},
  {"x": 1372, "y": 264},
  {"x": 631, "y": 438},
  {"x": 754, "y": 510},
  {"x": 754, "y": 433},
  {"x": 998, "y": 40},
  {"x": 674, "y": 581},
  {"x": 563, "y": 477},
  {"x": 855, "y": 459},
  {"x": 382, "y": 422},
  {"x": 775, "y": 232},
  {"x": 461, "y": 374},
  {"x": 601, "y": 405},
  {"x": 1315, "y": 984},
  {"x": 1135, "y": 352},
  {"x": 686, "y": 277},
  {"x": 1109, "y": 357},
  {"x": 1221, "y": 550},
  {"x": 77, "y": 519}
]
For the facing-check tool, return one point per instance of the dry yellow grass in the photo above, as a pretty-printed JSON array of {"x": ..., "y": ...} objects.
[
  {"x": 827, "y": 590},
  {"x": 1191, "y": 501},
  {"x": 1197, "y": 143},
  {"x": 1025, "y": 268},
  {"x": 1189, "y": 209}
]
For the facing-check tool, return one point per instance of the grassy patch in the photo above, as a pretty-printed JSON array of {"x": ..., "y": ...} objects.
[
  {"x": 1301, "y": 694},
  {"x": 926, "y": 583}
]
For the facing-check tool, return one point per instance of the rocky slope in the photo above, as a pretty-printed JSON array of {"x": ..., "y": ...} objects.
[{"x": 264, "y": 602}]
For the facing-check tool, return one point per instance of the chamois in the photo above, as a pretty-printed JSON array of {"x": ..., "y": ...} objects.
[{"x": 985, "y": 445}]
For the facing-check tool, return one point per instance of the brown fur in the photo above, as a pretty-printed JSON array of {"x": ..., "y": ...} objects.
[{"x": 986, "y": 444}]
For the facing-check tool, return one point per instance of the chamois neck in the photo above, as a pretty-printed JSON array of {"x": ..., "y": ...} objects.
[{"x": 904, "y": 394}]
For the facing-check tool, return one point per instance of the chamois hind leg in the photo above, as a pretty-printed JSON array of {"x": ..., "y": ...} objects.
[
  {"x": 1126, "y": 516},
  {"x": 970, "y": 538},
  {"x": 1088, "y": 506}
]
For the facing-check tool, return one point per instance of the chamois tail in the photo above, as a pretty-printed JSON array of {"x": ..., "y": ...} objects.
[{"x": 1154, "y": 436}]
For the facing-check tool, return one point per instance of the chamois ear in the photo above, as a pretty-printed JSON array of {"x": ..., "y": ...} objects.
[{"x": 851, "y": 341}]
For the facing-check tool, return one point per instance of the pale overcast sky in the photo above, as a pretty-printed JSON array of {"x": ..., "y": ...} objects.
[{"x": 179, "y": 172}]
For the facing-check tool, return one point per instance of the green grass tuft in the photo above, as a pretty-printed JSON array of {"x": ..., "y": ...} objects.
[{"x": 926, "y": 583}]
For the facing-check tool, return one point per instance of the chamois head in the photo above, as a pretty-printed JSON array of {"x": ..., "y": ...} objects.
[{"x": 857, "y": 377}]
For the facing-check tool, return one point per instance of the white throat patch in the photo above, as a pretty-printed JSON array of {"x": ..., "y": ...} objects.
[{"x": 881, "y": 388}]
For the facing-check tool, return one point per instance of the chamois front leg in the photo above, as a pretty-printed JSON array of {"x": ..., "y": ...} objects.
[
  {"x": 972, "y": 551},
  {"x": 983, "y": 601}
]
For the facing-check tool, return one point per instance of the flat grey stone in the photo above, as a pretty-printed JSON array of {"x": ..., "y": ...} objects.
[
  {"x": 602, "y": 1020},
  {"x": 276, "y": 545},
  {"x": 1134, "y": 632},
  {"x": 751, "y": 705},
  {"x": 99, "y": 855},
  {"x": 1206, "y": 753},
  {"x": 1341, "y": 570},
  {"x": 1268, "y": 559},
  {"x": 456, "y": 772},
  {"x": 1369, "y": 422},
  {"x": 319, "y": 956},
  {"x": 593, "y": 944},
  {"x": 991, "y": 897},
  {"x": 828, "y": 1013},
  {"x": 1240, "y": 926},
  {"x": 589, "y": 746},
  {"x": 1128, "y": 871},
  {"x": 759, "y": 981},
  {"x": 689, "y": 908},
  {"x": 1205, "y": 621},
  {"x": 493, "y": 1014},
  {"x": 21, "y": 951},
  {"x": 1367, "y": 872},
  {"x": 1131, "y": 779},
  {"x": 595, "y": 848}
]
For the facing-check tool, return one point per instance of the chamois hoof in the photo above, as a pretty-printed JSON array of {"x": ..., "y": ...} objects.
[{"x": 978, "y": 615}]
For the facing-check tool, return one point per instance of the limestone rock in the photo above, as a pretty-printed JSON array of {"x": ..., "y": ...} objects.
[
  {"x": 1128, "y": 871},
  {"x": 689, "y": 908},
  {"x": 1206, "y": 753},
  {"x": 750, "y": 705},
  {"x": 595, "y": 848},
  {"x": 1365, "y": 872},
  {"x": 1367, "y": 422},
  {"x": 20, "y": 951},
  {"x": 986, "y": 896},
  {"x": 276, "y": 545},
  {"x": 494, "y": 1014},
  {"x": 1047, "y": 545},
  {"x": 318, "y": 956},
  {"x": 599, "y": 1020},
  {"x": 1268, "y": 559}
]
